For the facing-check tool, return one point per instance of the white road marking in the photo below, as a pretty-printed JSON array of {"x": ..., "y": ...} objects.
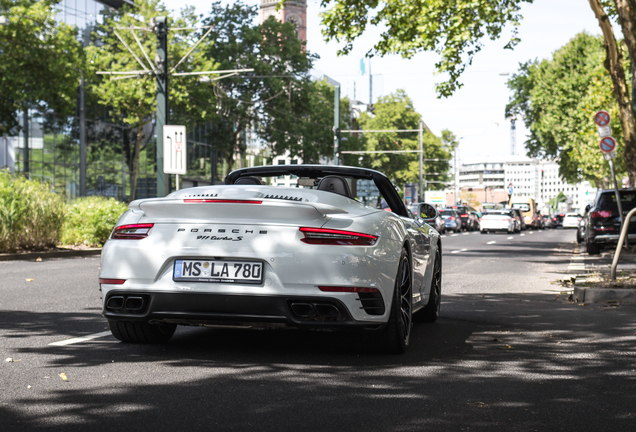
[
  {"x": 454, "y": 235},
  {"x": 466, "y": 234},
  {"x": 81, "y": 339},
  {"x": 522, "y": 235},
  {"x": 463, "y": 250},
  {"x": 455, "y": 251},
  {"x": 510, "y": 238},
  {"x": 492, "y": 242},
  {"x": 531, "y": 232}
]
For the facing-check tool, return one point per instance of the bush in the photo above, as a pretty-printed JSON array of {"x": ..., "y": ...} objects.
[
  {"x": 89, "y": 221},
  {"x": 31, "y": 216}
]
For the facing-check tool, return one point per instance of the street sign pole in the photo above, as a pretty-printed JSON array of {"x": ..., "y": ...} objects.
[
  {"x": 608, "y": 147},
  {"x": 421, "y": 194},
  {"x": 161, "y": 29}
]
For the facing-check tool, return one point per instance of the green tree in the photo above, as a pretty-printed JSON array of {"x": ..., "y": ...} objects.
[
  {"x": 396, "y": 111},
  {"x": 455, "y": 30},
  {"x": 274, "y": 100},
  {"x": 557, "y": 99},
  {"x": 41, "y": 61},
  {"x": 133, "y": 100},
  {"x": 308, "y": 133}
]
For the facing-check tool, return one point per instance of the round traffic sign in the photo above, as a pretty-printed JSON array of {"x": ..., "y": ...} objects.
[
  {"x": 607, "y": 144},
  {"x": 602, "y": 118}
]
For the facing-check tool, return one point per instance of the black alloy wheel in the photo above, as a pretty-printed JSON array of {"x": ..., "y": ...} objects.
[
  {"x": 395, "y": 337},
  {"x": 430, "y": 313}
]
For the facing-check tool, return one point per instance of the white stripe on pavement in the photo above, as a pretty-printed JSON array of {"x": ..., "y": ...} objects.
[
  {"x": 510, "y": 238},
  {"x": 522, "y": 235},
  {"x": 81, "y": 339},
  {"x": 454, "y": 235},
  {"x": 466, "y": 234},
  {"x": 492, "y": 242}
]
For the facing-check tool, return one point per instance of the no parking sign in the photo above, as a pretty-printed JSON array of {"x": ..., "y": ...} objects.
[{"x": 607, "y": 144}]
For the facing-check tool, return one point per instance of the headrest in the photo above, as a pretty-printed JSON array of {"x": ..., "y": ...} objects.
[
  {"x": 248, "y": 181},
  {"x": 335, "y": 184}
]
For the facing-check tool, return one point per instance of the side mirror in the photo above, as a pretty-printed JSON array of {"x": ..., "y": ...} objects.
[{"x": 427, "y": 212}]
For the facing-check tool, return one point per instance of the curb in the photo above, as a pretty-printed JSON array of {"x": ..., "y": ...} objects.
[
  {"x": 602, "y": 295},
  {"x": 49, "y": 254}
]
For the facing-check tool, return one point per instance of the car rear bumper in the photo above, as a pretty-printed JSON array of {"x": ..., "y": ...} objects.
[
  {"x": 227, "y": 309},
  {"x": 611, "y": 238}
]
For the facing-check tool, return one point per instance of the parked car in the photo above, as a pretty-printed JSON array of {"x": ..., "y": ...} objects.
[
  {"x": 558, "y": 220},
  {"x": 547, "y": 221},
  {"x": 245, "y": 252},
  {"x": 463, "y": 211},
  {"x": 519, "y": 216},
  {"x": 498, "y": 220},
  {"x": 474, "y": 221},
  {"x": 439, "y": 224},
  {"x": 452, "y": 220},
  {"x": 602, "y": 222},
  {"x": 571, "y": 220}
]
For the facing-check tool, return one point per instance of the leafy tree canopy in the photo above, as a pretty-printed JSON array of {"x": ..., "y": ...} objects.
[
  {"x": 392, "y": 112},
  {"x": 275, "y": 99},
  {"x": 41, "y": 61},
  {"x": 452, "y": 29},
  {"x": 557, "y": 99},
  {"x": 132, "y": 97}
]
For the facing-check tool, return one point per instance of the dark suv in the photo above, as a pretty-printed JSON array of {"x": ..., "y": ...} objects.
[
  {"x": 464, "y": 216},
  {"x": 602, "y": 224}
]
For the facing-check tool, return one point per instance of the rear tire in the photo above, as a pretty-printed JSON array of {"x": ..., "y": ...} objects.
[
  {"x": 592, "y": 249},
  {"x": 430, "y": 313},
  {"x": 141, "y": 333},
  {"x": 394, "y": 338},
  {"x": 484, "y": 231}
]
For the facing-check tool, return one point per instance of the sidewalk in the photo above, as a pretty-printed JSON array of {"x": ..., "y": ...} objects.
[
  {"x": 57, "y": 253},
  {"x": 591, "y": 280}
]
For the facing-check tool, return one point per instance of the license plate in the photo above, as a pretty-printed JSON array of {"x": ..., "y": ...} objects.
[{"x": 218, "y": 271}]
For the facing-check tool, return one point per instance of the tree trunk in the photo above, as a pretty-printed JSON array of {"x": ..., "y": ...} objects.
[
  {"x": 134, "y": 172},
  {"x": 614, "y": 65}
]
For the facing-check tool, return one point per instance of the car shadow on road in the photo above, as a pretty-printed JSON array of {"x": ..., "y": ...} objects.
[{"x": 534, "y": 359}]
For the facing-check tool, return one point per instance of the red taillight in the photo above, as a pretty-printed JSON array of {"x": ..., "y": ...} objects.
[
  {"x": 452, "y": 218},
  {"x": 112, "y": 281},
  {"x": 464, "y": 215},
  {"x": 336, "y": 237},
  {"x": 348, "y": 289},
  {"x": 220, "y": 201},
  {"x": 601, "y": 214},
  {"x": 131, "y": 232}
]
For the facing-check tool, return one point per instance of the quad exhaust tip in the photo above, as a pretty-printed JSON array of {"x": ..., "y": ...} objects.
[
  {"x": 125, "y": 303},
  {"x": 316, "y": 311}
]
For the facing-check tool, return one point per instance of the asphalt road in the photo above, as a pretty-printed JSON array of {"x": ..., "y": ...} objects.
[{"x": 508, "y": 353}]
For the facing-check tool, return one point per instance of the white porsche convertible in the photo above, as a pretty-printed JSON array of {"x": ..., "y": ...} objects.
[{"x": 246, "y": 253}]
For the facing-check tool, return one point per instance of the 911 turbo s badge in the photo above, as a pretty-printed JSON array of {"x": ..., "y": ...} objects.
[{"x": 239, "y": 238}]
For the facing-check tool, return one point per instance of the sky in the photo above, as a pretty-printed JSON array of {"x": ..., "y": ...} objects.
[{"x": 475, "y": 113}]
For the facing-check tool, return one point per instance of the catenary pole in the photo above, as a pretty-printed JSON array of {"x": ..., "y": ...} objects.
[
  {"x": 161, "y": 30},
  {"x": 336, "y": 126}
]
